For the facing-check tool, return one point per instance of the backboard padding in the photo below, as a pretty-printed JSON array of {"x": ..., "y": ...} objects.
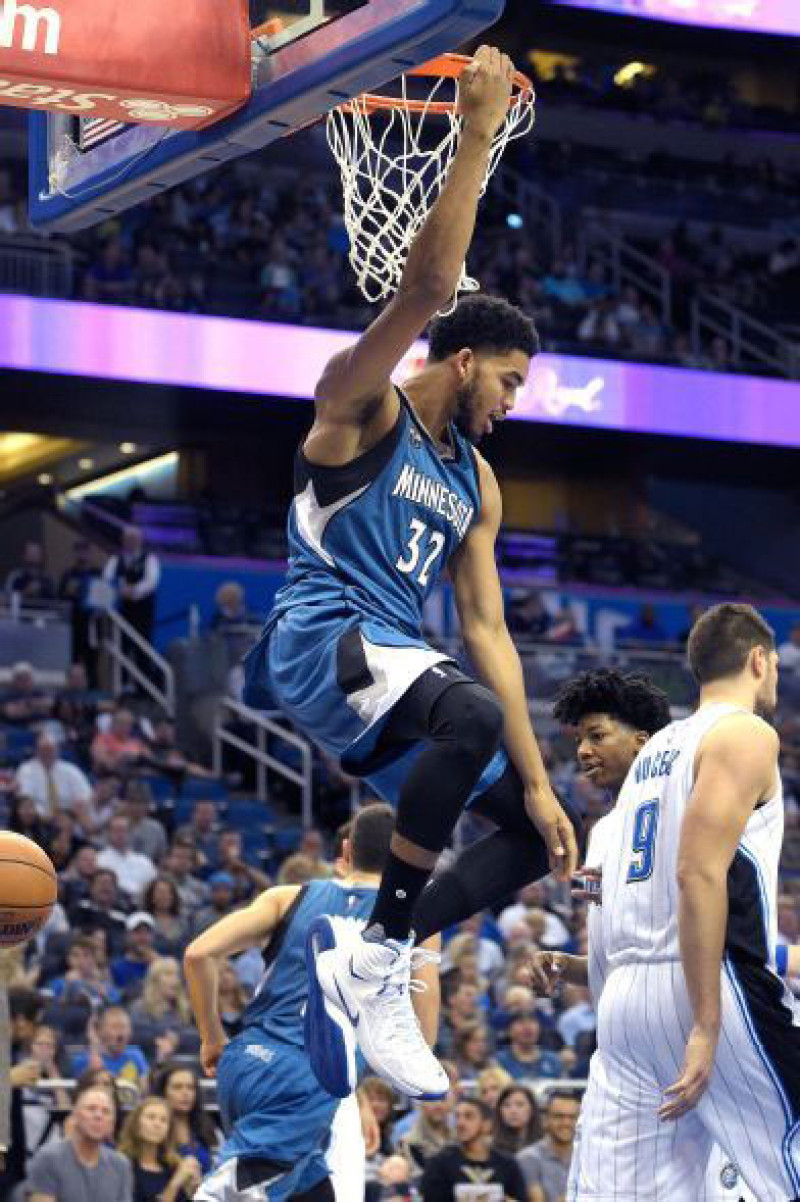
[{"x": 355, "y": 52}]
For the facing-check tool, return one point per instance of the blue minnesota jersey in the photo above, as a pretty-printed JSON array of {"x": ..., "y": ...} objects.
[
  {"x": 375, "y": 534},
  {"x": 279, "y": 1003}
]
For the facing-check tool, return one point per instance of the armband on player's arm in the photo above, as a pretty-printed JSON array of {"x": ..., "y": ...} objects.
[{"x": 787, "y": 959}]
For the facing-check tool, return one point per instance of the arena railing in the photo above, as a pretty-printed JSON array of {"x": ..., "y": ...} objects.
[
  {"x": 626, "y": 264},
  {"x": 34, "y": 267},
  {"x": 531, "y": 202},
  {"x": 749, "y": 339},
  {"x": 157, "y": 679},
  {"x": 262, "y": 726}
]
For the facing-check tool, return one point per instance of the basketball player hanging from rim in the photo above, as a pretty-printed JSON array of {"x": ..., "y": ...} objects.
[{"x": 390, "y": 491}]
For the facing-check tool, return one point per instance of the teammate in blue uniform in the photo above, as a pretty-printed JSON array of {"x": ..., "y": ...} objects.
[
  {"x": 276, "y": 1115},
  {"x": 389, "y": 491}
]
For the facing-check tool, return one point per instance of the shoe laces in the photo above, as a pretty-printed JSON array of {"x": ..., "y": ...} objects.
[{"x": 397, "y": 1011}]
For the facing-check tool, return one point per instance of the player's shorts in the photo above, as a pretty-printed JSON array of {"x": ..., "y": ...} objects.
[
  {"x": 346, "y": 1154},
  {"x": 723, "y": 1181},
  {"x": 337, "y": 677},
  {"x": 274, "y": 1113},
  {"x": 751, "y": 1109}
]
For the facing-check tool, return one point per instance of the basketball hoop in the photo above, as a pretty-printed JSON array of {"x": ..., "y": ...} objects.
[{"x": 391, "y": 177}]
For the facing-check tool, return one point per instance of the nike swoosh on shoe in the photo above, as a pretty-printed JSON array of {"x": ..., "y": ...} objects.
[{"x": 354, "y": 1020}]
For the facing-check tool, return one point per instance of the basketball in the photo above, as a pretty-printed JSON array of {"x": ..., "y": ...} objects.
[{"x": 28, "y": 888}]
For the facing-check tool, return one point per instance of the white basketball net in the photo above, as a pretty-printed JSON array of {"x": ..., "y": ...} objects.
[{"x": 388, "y": 191}]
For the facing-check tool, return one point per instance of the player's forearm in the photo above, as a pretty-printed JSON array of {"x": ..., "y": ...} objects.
[
  {"x": 202, "y": 982},
  {"x": 702, "y": 916},
  {"x": 498, "y": 666},
  {"x": 438, "y": 252}
]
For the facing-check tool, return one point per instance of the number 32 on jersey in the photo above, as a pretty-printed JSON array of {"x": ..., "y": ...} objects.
[{"x": 424, "y": 547}]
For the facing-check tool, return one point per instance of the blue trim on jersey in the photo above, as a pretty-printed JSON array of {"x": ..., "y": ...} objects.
[
  {"x": 782, "y": 959},
  {"x": 791, "y": 1127},
  {"x": 748, "y": 855}
]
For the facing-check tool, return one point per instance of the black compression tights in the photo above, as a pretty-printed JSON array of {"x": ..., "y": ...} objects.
[{"x": 491, "y": 869}]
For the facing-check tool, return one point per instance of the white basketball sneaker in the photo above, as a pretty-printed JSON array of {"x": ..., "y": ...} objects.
[{"x": 360, "y": 983}]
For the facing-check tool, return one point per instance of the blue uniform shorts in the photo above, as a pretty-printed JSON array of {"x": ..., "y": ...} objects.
[{"x": 273, "y": 1108}]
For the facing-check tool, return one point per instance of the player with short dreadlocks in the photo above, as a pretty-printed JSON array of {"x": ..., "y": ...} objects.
[{"x": 614, "y": 715}]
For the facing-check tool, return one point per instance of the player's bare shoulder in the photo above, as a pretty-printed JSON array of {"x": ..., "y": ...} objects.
[
  {"x": 743, "y": 743},
  {"x": 491, "y": 500}
]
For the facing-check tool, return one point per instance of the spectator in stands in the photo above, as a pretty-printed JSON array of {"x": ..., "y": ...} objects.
[
  {"x": 380, "y": 1096},
  {"x": 524, "y": 1057},
  {"x": 472, "y": 1050},
  {"x": 162, "y": 901},
  {"x": 25, "y": 820},
  {"x": 545, "y": 1165},
  {"x": 232, "y": 1000},
  {"x": 196, "y": 1134},
  {"x": 159, "y": 1171},
  {"x": 644, "y": 630},
  {"x": 600, "y": 324},
  {"x": 491, "y": 1083},
  {"x": 432, "y": 1129},
  {"x": 82, "y": 1165},
  {"x": 130, "y": 969},
  {"x": 53, "y": 783},
  {"x": 135, "y": 573},
  {"x": 23, "y": 703},
  {"x": 122, "y": 1093},
  {"x": 312, "y": 845},
  {"x": 648, "y": 335},
  {"x": 76, "y": 707},
  {"x": 106, "y": 800},
  {"x": 110, "y": 279},
  {"x": 147, "y": 836},
  {"x": 203, "y": 831},
  {"x": 162, "y": 1014},
  {"x": 296, "y": 870},
  {"x": 75, "y": 587},
  {"x": 84, "y": 979},
  {"x": 789, "y": 651},
  {"x": 463, "y": 1010},
  {"x": 249, "y": 880},
  {"x": 516, "y": 1120},
  {"x": 30, "y": 583},
  {"x": 118, "y": 749},
  {"x": 103, "y": 908},
  {"x": 110, "y": 1047},
  {"x": 471, "y": 1159},
  {"x": 77, "y": 878},
  {"x": 518, "y": 1000},
  {"x": 527, "y": 615},
  {"x": 134, "y": 871},
  {"x": 577, "y": 1015},
  {"x": 230, "y": 609},
  {"x": 182, "y": 863},
  {"x": 164, "y": 755},
  {"x": 223, "y": 892},
  {"x": 46, "y": 1050}
]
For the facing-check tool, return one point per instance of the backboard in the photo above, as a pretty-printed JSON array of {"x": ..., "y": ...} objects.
[{"x": 308, "y": 57}]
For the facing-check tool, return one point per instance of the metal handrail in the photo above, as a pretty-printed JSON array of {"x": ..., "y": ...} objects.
[
  {"x": 627, "y": 265},
  {"x": 265, "y": 724},
  {"x": 744, "y": 333},
  {"x": 532, "y": 201},
  {"x": 119, "y": 629},
  {"x": 35, "y": 267}
]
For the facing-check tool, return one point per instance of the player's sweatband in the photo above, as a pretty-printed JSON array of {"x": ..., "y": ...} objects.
[{"x": 782, "y": 959}]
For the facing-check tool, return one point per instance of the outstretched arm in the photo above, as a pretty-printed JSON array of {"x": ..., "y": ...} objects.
[
  {"x": 479, "y": 600},
  {"x": 235, "y": 933},
  {"x": 735, "y": 769},
  {"x": 355, "y": 390}
]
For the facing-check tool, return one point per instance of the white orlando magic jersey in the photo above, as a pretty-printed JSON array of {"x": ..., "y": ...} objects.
[{"x": 639, "y": 913}]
